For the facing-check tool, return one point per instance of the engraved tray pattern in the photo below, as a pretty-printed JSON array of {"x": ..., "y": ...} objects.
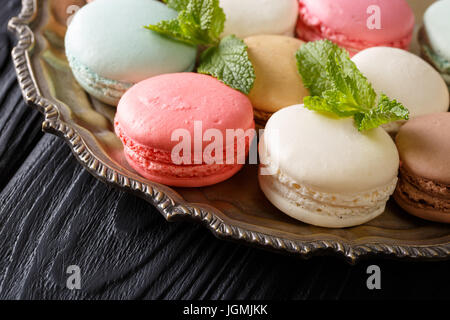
[{"x": 233, "y": 210}]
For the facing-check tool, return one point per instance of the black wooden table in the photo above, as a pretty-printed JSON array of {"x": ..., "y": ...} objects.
[{"x": 53, "y": 214}]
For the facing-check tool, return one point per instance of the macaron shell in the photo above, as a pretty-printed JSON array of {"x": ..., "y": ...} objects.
[
  {"x": 109, "y": 38},
  {"x": 349, "y": 18},
  {"x": 437, "y": 27},
  {"x": 254, "y": 17},
  {"x": 405, "y": 77},
  {"x": 330, "y": 154},
  {"x": 105, "y": 90},
  {"x": 153, "y": 109},
  {"x": 278, "y": 83},
  {"x": 424, "y": 147}
]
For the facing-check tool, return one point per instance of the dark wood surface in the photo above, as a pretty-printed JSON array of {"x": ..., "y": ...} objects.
[{"x": 54, "y": 214}]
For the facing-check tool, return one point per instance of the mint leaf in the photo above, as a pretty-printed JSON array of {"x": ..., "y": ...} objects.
[
  {"x": 199, "y": 22},
  {"x": 205, "y": 19},
  {"x": 312, "y": 59},
  {"x": 338, "y": 87},
  {"x": 177, "y": 5},
  {"x": 387, "y": 111},
  {"x": 326, "y": 67},
  {"x": 172, "y": 29},
  {"x": 318, "y": 104},
  {"x": 229, "y": 62},
  {"x": 347, "y": 75}
]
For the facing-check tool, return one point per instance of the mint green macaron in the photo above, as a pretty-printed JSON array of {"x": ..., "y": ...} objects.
[
  {"x": 435, "y": 37},
  {"x": 109, "y": 49}
]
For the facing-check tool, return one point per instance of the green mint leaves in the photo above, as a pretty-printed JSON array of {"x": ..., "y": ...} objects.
[
  {"x": 177, "y": 5},
  {"x": 229, "y": 62},
  {"x": 200, "y": 23},
  {"x": 338, "y": 87},
  {"x": 386, "y": 112}
]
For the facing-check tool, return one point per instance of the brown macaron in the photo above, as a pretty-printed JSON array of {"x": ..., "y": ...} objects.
[{"x": 424, "y": 185}]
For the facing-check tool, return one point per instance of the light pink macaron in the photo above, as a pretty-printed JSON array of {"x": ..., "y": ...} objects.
[
  {"x": 357, "y": 24},
  {"x": 174, "y": 129}
]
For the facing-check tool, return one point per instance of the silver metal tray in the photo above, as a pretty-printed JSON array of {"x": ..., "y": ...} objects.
[{"x": 235, "y": 209}]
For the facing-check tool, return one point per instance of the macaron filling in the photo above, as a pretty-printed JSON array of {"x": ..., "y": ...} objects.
[
  {"x": 157, "y": 162},
  {"x": 423, "y": 193},
  {"x": 350, "y": 205},
  {"x": 156, "y": 168},
  {"x": 310, "y": 28}
]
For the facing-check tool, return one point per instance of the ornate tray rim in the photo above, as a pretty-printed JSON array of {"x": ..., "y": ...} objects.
[{"x": 173, "y": 207}]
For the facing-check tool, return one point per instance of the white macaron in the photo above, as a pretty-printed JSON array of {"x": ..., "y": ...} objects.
[
  {"x": 405, "y": 77},
  {"x": 253, "y": 17},
  {"x": 321, "y": 170}
]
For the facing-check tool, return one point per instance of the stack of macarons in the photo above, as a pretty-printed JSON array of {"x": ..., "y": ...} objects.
[
  {"x": 314, "y": 167},
  {"x": 318, "y": 168},
  {"x": 321, "y": 171}
]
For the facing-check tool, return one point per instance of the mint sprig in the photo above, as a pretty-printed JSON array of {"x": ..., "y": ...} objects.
[
  {"x": 177, "y": 5},
  {"x": 200, "y": 23},
  {"x": 229, "y": 62},
  {"x": 338, "y": 87}
]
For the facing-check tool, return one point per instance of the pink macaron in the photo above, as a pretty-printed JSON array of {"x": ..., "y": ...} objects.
[
  {"x": 357, "y": 25},
  {"x": 185, "y": 129}
]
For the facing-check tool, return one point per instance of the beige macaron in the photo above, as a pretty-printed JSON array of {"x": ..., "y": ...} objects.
[{"x": 278, "y": 83}]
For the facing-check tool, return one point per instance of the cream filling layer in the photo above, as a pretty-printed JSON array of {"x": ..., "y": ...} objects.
[{"x": 329, "y": 204}]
